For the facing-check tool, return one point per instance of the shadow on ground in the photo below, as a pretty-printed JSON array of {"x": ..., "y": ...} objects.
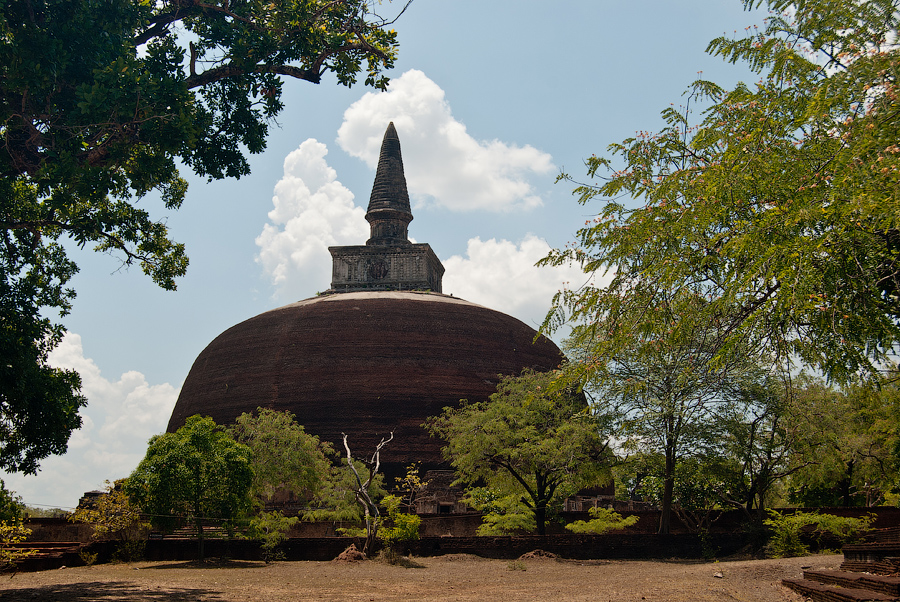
[
  {"x": 107, "y": 592},
  {"x": 212, "y": 563}
]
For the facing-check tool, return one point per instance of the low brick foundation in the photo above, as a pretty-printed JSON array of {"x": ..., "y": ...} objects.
[{"x": 621, "y": 546}]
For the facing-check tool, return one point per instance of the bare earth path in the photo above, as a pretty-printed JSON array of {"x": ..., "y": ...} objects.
[{"x": 447, "y": 578}]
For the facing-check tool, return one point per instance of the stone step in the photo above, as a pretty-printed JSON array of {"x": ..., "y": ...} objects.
[
  {"x": 885, "y": 535},
  {"x": 48, "y": 555},
  {"x": 879, "y": 558},
  {"x": 44, "y": 544},
  {"x": 820, "y": 592},
  {"x": 876, "y": 583}
]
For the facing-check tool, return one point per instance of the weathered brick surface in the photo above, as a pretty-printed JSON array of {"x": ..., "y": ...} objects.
[
  {"x": 819, "y": 592},
  {"x": 365, "y": 364}
]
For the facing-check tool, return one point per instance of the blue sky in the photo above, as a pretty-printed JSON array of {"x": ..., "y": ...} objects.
[{"x": 491, "y": 100}]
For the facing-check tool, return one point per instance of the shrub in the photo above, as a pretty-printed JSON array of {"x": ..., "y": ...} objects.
[
  {"x": 113, "y": 517},
  {"x": 404, "y": 528},
  {"x": 13, "y": 533},
  {"x": 602, "y": 520},
  {"x": 271, "y": 529},
  {"x": 786, "y": 541}
]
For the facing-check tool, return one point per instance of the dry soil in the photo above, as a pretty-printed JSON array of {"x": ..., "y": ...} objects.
[{"x": 459, "y": 577}]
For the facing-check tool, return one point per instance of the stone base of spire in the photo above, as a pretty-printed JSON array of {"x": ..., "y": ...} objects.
[{"x": 410, "y": 267}]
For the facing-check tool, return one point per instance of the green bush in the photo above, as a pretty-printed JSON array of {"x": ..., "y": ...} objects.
[
  {"x": 786, "y": 542},
  {"x": 602, "y": 520},
  {"x": 502, "y": 514},
  {"x": 271, "y": 529},
  {"x": 11, "y": 534},
  {"x": 404, "y": 528}
]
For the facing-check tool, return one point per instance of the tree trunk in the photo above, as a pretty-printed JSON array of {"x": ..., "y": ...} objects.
[
  {"x": 371, "y": 534},
  {"x": 199, "y": 538},
  {"x": 540, "y": 518},
  {"x": 846, "y": 486},
  {"x": 665, "y": 515}
]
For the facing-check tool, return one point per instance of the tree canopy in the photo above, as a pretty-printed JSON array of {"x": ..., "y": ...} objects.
[
  {"x": 11, "y": 505},
  {"x": 779, "y": 205},
  {"x": 198, "y": 473},
  {"x": 99, "y": 103},
  {"x": 846, "y": 445},
  {"x": 666, "y": 387},
  {"x": 284, "y": 456},
  {"x": 533, "y": 443}
]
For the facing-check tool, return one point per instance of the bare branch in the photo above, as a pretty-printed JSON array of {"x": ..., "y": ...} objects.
[{"x": 231, "y": 70}]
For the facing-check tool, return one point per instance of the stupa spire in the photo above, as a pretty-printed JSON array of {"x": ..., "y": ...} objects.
[
  {"x": 388, "y": 261},
  {"x": 389, "y": 213}
]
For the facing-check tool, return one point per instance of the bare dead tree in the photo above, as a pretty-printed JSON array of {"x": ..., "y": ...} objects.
[{"x": 370, "y": 508}]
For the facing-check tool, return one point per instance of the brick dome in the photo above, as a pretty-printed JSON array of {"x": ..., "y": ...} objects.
[{"x": 364, "y": 363}]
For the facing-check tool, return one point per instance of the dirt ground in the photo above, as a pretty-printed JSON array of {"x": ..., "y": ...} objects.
[{"x": 445, "y": 578}]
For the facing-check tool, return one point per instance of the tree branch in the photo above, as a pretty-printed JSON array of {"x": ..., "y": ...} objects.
[{"x": 231, "y": 70}]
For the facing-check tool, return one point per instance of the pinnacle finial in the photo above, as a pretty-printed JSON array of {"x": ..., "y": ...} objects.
[{"x": 389, "y": 213}]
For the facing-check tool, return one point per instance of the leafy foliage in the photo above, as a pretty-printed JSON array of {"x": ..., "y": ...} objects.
[
  {"x": 99, "y": 103},
  {"x": 400, "y": 529},
  {"x": 12, "y": 533},
  {"x": 113, "y": 516},
  {"x": 271, "y": 529},
  {"x": 410, "y": 485},
  {"x": 503, "y": 509},
  {"x": 778, "y": 207},
  {"x": 11, "y": 505},
  {"x": 198, "y": 473},
  {"x": 534, "y": 439},
  {"x": 786, "y": 541},
  {"x": 284, "y": 456},
  {"x": 602, "y": 520}
]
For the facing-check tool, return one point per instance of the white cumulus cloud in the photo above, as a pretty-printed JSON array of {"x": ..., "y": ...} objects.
[
  {"x": 313, "y": 211},
  {"x": 501, "y": 275},
  {"x": 119, "y": 419},
  {"x": 443, "y": 163}
]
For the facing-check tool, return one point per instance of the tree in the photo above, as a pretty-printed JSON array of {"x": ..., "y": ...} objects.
[
  {"x": 779, "y": 206},
  {"x": 284, "y": 456},
  {"x": 655, "y": 361},
  {"x": 534, "y": 442},
  {"x": 845, "y": 453},
  {"x": 757, "y": 435},
  {"x": 363, "y": 490},
  {"x": 198, "y": 473},
  {"x": 98, "y": 105},
  {"x": 11, "y": 505}
]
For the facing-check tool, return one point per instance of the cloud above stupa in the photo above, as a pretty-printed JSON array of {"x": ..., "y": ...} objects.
[
  {"x": 501, "y": 274},
  {"x": 444, "y": 164},
  {"x": 312, "y": 211},
  {"x": 119, "y": 419}
]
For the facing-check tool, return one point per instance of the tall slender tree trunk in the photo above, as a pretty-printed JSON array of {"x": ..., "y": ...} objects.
[
  {"x": 200, "y": 537},
  {"x": 540, "y": 518},
  {"x": 665, "y": 515},
  {"x": 846, "y": 485}
]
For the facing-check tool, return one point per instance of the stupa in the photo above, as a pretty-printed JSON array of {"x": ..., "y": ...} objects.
[{"x": 379, "y": 352}]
